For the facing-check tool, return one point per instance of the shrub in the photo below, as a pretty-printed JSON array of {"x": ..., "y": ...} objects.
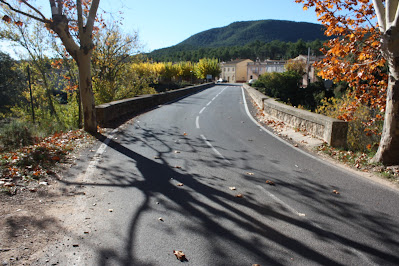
[
  {"x": 16, "y": 134},
  {"x": 362, "y": 136},
  {"x": 283, "y": 86}
]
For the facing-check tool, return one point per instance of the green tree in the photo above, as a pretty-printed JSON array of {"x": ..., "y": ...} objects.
[
  {"x": 67, "y": 19},
  {"x": 12, "y": 82},
  {"x": 36, "y": 41},
  {"x": 111, "y": 62}
]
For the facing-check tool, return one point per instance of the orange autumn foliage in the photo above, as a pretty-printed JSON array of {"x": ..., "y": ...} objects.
[{"x": 353, "y": 54}]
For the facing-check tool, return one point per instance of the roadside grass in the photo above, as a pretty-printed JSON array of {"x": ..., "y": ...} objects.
[{"x": 361, "y": 161}]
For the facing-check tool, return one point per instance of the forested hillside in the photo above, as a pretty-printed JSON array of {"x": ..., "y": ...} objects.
[{"x": 273, "y": 39}]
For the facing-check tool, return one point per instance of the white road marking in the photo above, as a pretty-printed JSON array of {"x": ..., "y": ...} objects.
[
  {"x": 291, "y": 209},
  {"x": 208, "y": 103},
  {"x": 96, "y": 158},
  {"x": 274, "y": 136},
  {"x": 203, "y": 109},
  {"x": 197, "y": 122},
  {"x": 214, "y": 149}
]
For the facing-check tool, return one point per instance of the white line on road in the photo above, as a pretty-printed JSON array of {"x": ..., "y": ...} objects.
[
  {"x": 274, "y": 136},
  {"x": 96, "y": 158},
  {"x": 203, "y": 109},
  {"x": 291, "y": 209},
  {"x": 197, "y": 122},
  {"x": 208, "y": 103},
  {"x": 214, "y": 149}
]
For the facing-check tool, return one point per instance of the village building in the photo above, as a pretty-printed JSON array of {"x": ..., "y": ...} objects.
[{"x": 235, "y": 71}]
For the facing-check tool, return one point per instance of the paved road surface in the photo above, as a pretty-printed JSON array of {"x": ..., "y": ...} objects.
[{"x": 135, "y": 212}]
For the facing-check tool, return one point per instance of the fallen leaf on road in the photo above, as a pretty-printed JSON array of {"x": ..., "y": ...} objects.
[
  {"x": 180, "y": 184},
  {"x": 177, "y": 152},
  {"x": 335, "y": 191},
  {"x": 110, "y": 210},
  {"x": 160, "y": 218},
  {"x": 184, "y": 134},
  {"x": 255, "y": 264},
  {"x": 270, "y": 183},
  {"x": 179, "y": 255},
  {"x": 296, "y": 145},
  {"x": 232, "y": 188},
  {"x": 157, "y": 157},
  {"x": 178, "y": 167},
  {"x": 248, "y": 173},
  {"x": 239, "y": 196}
]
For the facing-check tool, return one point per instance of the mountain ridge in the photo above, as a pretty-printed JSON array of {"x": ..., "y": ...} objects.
[{"x": 241, "y": 33}]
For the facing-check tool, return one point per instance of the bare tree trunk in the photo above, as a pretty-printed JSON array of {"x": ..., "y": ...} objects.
[
  {"x": 388, "y": 150},
  {"x": 86, "y": 92}
]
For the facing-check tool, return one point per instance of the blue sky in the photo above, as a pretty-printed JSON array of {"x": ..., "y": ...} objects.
[
  {"x": 163, "y": 23},
  {"x": 166, "y": 23}
]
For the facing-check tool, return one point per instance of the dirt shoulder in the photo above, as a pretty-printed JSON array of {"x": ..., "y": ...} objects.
[{"x": 32, "y": 219}]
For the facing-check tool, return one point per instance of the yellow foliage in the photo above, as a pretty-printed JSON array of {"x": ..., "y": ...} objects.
[{"x": 360, "y": 136}]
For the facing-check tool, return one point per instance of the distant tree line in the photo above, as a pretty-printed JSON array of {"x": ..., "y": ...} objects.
[{"x": 274, "y": 50}]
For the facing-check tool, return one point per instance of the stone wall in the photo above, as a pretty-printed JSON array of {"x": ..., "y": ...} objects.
[
  {"x": 331, "y": 130},
  {"x": 109, "y": 113}
]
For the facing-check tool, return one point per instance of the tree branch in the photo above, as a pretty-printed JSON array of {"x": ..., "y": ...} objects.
[
  {"x": 395, "y": 12},
  {"x": 44, "y": 19},
  {"x": 92, "y": 15},
  {"x": 34, "y": 9},
  {"x": 380, "y": 11},
  {"x": 80, "y": 17}
]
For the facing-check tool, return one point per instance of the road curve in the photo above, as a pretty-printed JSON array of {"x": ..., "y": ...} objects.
[{"x": 191, "y": 176}]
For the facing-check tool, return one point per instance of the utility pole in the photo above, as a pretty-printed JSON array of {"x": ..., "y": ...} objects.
[
  {"x": 31, "y": 96},
  {"x": 307, "y": 68}
]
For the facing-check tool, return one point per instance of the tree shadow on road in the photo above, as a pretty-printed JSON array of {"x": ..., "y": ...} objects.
[{"x": 152, "y": 179}]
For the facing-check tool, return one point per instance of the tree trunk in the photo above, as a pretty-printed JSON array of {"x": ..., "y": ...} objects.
[
  {"x": 86, "y": 92},
  {"x": 388, "y": 150}
]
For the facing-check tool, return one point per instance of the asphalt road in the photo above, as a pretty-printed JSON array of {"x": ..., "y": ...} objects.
[{"x": 164, "y": 182}]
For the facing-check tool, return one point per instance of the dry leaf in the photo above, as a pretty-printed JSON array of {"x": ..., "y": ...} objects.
[
  {"x": 296, "y": 145},
  {"x": 177, "y": 152},
  {"x": 184, "y": 134},
  {"x": 248, "y": 173},
  {"x": 269, "y": 182},
  {"x": 335, "y": 191},
  {"x": 160, "y": 218},
  {"x": 255, "y": 264},
  {"x": 239, "y": 196},
  {"x": 178, "y": 167},
  {"x": 110, "y": 210},
  {"x": 157, "y": 157},
  {"x": 232, "y": 188},
  {"x": 180, "y": 184},
  {"x": 6, "y": 19},
  {"x": 179, "y": 255}
]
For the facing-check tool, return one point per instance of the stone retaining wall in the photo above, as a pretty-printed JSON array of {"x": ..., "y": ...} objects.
[
  {"x": 331, "y": 130},
  {"x": 108, "y": 113}
]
